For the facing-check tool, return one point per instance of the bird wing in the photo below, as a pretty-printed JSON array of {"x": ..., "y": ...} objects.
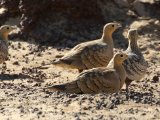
[
  {"x": 76, "y": 52},
  {"x": 96, "y": 55},
  {"x": 3, "y": 49},
  {"x": 87, "y": 55},
  {"x": 135, "y": 66}
]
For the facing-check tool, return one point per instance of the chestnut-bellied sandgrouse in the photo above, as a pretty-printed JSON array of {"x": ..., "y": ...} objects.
[
  {"x": 135, "y": 65},
  {"x": 4, "y": 31},
  {"x": 95, "y": 53}
]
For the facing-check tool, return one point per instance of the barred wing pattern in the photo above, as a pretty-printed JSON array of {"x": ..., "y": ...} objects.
[
  {"x": 88, "y": 55},
  {"x": 3, "y": 51},
  {"x": 97, "y": 55},
  {"x": 135, "y": 66}
]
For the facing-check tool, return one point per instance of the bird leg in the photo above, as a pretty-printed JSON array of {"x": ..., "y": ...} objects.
[{"x": 127, "y": 82}]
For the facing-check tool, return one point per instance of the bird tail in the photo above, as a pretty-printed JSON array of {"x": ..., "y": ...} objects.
[
  {"x": 63, "y": 64},
  {"x": 68, "y": 88},
  {"x": 56, "y": 88},
  {"x": 58, "y": 63}
]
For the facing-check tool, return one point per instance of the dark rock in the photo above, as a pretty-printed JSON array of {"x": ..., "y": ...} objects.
[
  {"x": 122, "y": 3},
  {"x": 156, "y": 79},
  {"x": 73, "y": 95},
  {"x": 39, "y": 113},
  {"x": 145, "y": 9},
  {"x": 11, "y": 9},
  {"x": 16, "y": 63},
  {"x": 61, "y": 21}
]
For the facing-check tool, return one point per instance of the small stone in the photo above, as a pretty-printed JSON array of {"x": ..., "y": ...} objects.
[
  {"x": 155, "y": 79},
  {"x": 16, "y": 63},
  {"x": 143, "y": 114},
  {"x": 39, "y": 113}
]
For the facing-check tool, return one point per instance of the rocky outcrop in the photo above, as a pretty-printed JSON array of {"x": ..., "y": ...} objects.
[
  {"x": 8, "y": 8},
  {"x": 61, "y": 20},
  {"x": 55, "y": 19}
]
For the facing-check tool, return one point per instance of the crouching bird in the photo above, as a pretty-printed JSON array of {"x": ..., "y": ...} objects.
[
  {"x": 4, "y": 31},
  {"x": 108, "y": 79},
  {"x": 91, "y": 54},
  {"x": 135, "y": 65}
]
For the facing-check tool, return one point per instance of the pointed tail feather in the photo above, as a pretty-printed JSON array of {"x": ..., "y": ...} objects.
[
  {"x": 56, "y": 88},
  {"x": 57, "y": 62},
  {"x": 63, "y": 63},
  {"x": 68, "y": 88}
]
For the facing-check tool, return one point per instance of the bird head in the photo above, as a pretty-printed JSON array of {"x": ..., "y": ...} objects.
[
  {"x": 132, "y": 34},
  {"x": 5, "y": 30},
  {"x": 109, "y": 28},
  {"x": 120, "y": 57}
]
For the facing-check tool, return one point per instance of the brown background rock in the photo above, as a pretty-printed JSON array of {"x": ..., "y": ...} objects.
[{"x": 61, "y": 20}]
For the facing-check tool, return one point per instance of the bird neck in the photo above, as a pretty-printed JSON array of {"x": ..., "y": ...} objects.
[
  {"x": 121, "y": 72},
  {"x": 4, "y": 36},
  {"x": 132, "y": 46},
  {"x": 107, "y": 38}
]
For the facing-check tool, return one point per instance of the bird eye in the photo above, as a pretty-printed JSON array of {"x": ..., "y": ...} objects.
[
  {"x": 112, "y": 25},
  {"x": 121, "y": 55},
  {"x": 7, "y": 28}
]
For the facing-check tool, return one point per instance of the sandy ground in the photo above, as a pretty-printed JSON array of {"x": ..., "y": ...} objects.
[{"x": 22, "y": 96}]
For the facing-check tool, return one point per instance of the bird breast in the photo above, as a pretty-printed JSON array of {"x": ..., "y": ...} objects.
[{"x": 135, "y": 67}]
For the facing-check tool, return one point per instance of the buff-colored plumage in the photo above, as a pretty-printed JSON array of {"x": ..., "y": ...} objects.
[
  {"x": 4, "y": 31},
  {"x": 135, "y": 65},
  {"x": 95, "y": 53},
  {"x": 108, "y": 79}
]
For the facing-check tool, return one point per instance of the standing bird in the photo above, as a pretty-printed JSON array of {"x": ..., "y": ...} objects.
[
  {"x": 95, "y": 53},
  {"x": 135, "y": 65},
  {"x": 108, "y": 79},
  {"x": 4, "y": 31}
]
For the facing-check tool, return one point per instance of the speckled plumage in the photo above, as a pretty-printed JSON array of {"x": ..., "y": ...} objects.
[
  {"x": 135, "y": 65},
  {"x": 3, "y": 51},
  {"x": 108, "y": 79},
  {"x": 95, "y": 53}
]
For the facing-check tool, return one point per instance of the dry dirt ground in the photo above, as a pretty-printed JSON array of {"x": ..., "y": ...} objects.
[{"x": 22, "y": 96}]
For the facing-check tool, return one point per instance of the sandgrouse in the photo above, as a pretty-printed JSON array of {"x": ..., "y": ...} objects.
[
  {"x": 108, "y": 79},
  {"x": 95, "y": 53},
  {"x": 135, "y": 65},
  {"x": 4, "y": 31}
]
